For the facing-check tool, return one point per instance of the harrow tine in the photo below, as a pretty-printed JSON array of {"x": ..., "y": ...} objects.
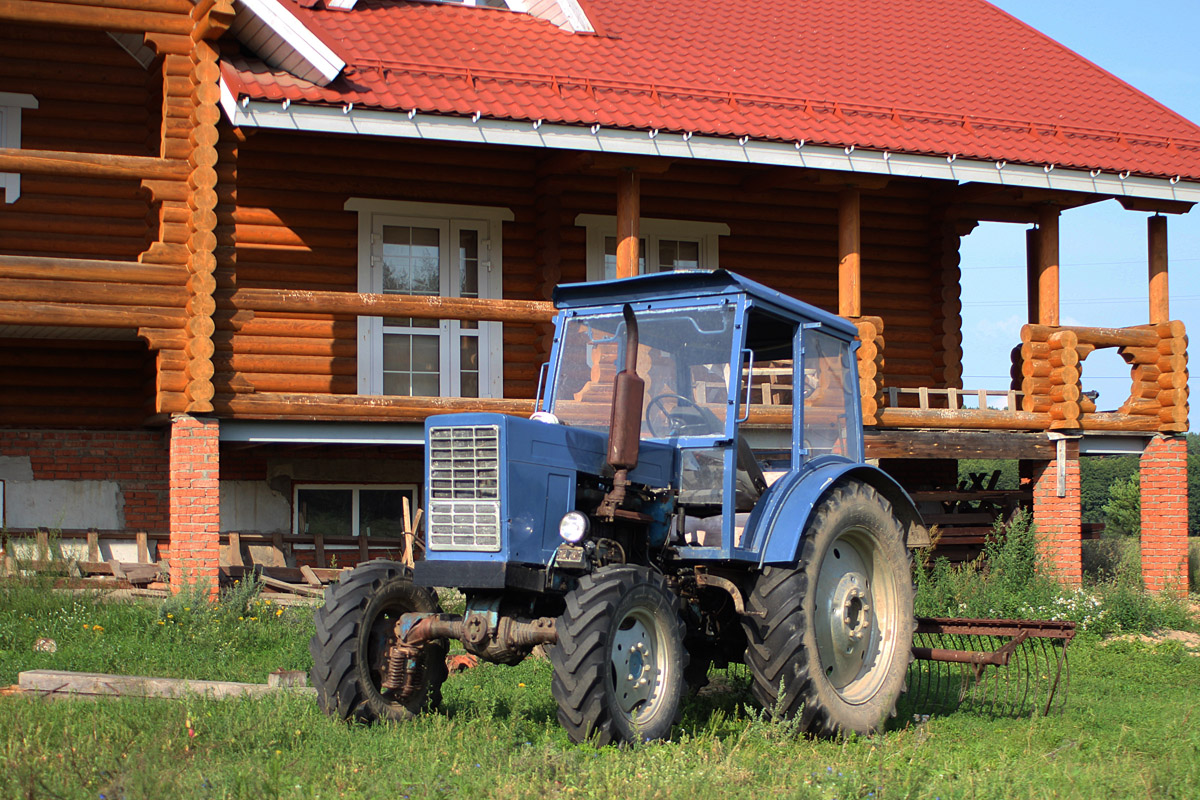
[{"x": 1007, "y": 668}]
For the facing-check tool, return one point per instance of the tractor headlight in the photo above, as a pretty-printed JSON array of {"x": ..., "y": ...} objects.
[{"x": 573, "y": 527}]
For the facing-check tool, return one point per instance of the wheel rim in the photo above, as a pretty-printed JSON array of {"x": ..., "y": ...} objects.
[
  {"x": 381, "y": 634},
  {"x": 855, "y": 615},
  {"x": 639, "y": 664}
]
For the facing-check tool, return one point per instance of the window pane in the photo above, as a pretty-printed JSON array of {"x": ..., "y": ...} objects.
[
  {"x": 411, "y": 265},
  {"x": 678, "y": 254},
  {"x": 469, "y": 366},
  {"x": 410, "y": 363},
  {"x": 381, "y": 512},
  {"x": 468, "y": 263},
  {"x": 828, "y": 401},
  {"x": 325, "y": 511}
]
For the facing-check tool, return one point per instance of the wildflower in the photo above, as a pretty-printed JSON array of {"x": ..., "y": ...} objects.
[
  {"x": 279, "y": 613},
  {"x": 240, "y": 619},
  {"x": 170, "y": 616},
  {"x": 160, "y": 622},
  {"x": 252, "y": 619},
  {"x": 521, "y": 685},
  {"x": 98, "y": 628}
]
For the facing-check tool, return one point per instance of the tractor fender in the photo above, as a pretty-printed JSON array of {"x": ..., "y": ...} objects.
[{"x": 795, "y": 501}]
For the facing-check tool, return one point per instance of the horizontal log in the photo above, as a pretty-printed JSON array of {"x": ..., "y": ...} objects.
[
  {"x": 389, "y": 305},
  {"x": 227, "y": 342},
  {"x": 316, "y": 407},
  {"x": 88, "y": 165},
  {"x": 1114, "y": 421},
  {"x": 963, "y": 418},
  {"x": 89, "y": 316},
  {"x": 92, "y": 293},
  {"x": 96, "y": 18},
  {"x": 1100, "y": 337},
  {"x": 254, "y": 382},
  {"x": 80, "y": 269},
  {"x": 286, "y": 364}
]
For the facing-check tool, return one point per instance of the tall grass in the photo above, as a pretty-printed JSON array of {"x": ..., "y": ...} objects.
[{"x": 1011, "y": 579}]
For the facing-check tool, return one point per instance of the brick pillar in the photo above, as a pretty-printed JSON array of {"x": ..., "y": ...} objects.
[
  {"x": 1058, "y": 519},
  {"x": 1164, "y": 514},
  {"x": 194, "y": 502}
]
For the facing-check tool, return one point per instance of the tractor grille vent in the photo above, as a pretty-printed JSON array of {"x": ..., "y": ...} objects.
[{"x": 464, "y": 488}]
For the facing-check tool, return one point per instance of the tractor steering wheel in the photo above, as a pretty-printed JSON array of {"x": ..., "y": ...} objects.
[{"x": 677, "y": 422}]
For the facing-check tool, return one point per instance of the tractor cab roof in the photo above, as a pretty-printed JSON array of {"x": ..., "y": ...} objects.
[{"x": 698, "y": 285}]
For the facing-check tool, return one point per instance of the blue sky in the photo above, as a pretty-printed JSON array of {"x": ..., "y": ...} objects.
[{"x": 1102, "y": 247}]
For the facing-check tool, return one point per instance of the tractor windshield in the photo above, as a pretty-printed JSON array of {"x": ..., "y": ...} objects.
[{"x": 683, "y": 356}]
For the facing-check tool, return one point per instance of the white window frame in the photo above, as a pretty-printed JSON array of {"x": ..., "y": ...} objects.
[
  {"x": 450, "y": 218},
  {"x": 10, "y": 136},
  {"x": 413, "y": 489},
  {"x": 599, "y": 226}
]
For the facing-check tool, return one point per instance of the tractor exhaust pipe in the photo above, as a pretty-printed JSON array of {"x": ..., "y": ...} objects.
[{"x": 625, "y": 422}]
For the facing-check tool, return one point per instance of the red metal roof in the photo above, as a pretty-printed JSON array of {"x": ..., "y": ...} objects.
[{"x": 944, "y": 77}]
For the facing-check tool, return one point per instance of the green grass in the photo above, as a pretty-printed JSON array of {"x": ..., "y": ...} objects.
[{"x": 1130, "y": 727}]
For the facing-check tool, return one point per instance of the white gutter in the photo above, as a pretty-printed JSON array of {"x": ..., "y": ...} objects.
[{"x": 414, "y": 125}]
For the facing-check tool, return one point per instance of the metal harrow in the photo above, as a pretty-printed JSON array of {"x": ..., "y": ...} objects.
[{"x": 1003, "y": 667}]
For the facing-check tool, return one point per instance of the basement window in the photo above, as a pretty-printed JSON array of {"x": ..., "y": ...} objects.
[
  {"x": 665, "y": 245},
  {"x": 375, "y": 511},
  {"x": 10, "y": 137}
]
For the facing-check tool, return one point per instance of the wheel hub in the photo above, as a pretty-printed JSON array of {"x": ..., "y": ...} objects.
[
  {"x": 635, "y": 665},
  {"x": 847, "y": 625}
]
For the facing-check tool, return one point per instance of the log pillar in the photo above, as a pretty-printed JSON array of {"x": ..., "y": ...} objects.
[
  {"x": 1032, "y": 259},
  {"x": 194, "y": 502},
  {"x": 1164, "y": 514},
  {"x": 628, "y": 214},
  {"x": 1156, "y": 240},
  {"x": 1057, "y": 512},
  {"x": 1047, "y": 266},
  {"x": 849, "y": 254}
]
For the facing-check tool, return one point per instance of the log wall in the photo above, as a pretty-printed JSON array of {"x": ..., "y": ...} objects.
[{"x": 289, "y": 230}]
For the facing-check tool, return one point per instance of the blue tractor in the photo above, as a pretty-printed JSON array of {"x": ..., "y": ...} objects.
[{"x": 630, "y": 528}]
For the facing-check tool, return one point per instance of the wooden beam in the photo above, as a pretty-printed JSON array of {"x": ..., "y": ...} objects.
[
  {"x": 94, "y": 16},
  {"x": 1047, "y": 266},
  {"x": 392, "y": 305},
  {"x": 1154, "y": 205},
  {"x": 89, "y": 165},
  {"x": 84, "y": 269},
  {"x": 849, "y": 254},
  {"x": 90, "y": 316},
  {"x": 1156, "y": 241},
  {"x": 628, "y": 216},
  {"x": 332, "y": 407}
]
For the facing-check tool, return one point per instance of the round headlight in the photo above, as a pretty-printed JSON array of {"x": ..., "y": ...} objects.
[{"x": 573, "y": 527}]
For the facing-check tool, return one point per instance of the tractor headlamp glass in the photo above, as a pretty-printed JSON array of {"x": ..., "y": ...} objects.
[{"x": 573, "y": 527}]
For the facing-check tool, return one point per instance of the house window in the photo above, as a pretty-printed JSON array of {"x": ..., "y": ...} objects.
[
  {"x": 665, "y": 245},
  {"x": 10, "y": 136},
  {"x": 434, "y": 250},
  {"x": 333, "y": 510}
]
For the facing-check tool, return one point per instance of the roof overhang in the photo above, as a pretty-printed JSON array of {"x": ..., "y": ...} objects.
[
  {"x": 272, "y": 31},
  {"x": 477, "y": 130}
]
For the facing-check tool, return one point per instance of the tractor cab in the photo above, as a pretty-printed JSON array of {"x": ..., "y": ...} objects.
[{"x": 722, "y": 358}]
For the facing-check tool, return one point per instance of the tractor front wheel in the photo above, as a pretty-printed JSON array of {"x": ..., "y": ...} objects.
[
  {"x": 619, "y": 664},
  {"x": 834, "y": 634},
  {"x": 355, "y": 629}
]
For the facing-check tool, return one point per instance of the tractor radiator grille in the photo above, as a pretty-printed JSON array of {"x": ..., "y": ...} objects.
[{"x": 464, "y": 488}]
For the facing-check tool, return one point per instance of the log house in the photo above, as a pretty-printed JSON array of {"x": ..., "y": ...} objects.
[{"x": 247, "y": 247}]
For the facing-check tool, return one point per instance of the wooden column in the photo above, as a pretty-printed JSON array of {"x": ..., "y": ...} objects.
[
  {"x": 1047, "y": 266},
  {"x": 849, "y": 254},
  {"x": 629, "y": 212},
  {"x": 1031, "y": 262},
  {"x": 1156, "y": 239}
]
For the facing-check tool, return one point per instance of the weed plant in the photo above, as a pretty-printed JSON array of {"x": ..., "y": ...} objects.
[{"x": 1011, "y": 580}]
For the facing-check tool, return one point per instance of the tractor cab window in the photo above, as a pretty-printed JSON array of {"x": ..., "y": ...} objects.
[
  {"x": 683, "y": 356},
  {"x": 830, "y": 421}
]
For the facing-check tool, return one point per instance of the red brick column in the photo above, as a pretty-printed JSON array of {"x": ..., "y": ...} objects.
[
  {"x": 1058, "y": 519},
  {"x": 194, "y": 501},
  {"x": 1164, "y": 514}
]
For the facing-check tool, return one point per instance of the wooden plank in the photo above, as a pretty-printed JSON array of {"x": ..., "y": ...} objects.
[
  {"x": 958, "y": 444},
  {"x": 91, "y": 684},
  {"x": 93, "y": 546},
  {"x": 310, "y": 577},
  {"x": 294, "y": 588},
  {"x": 235, "y": 549},
  {"x": 143, "y": 547},
  {"x": 278, "y": 552},
  {"x": 319, "y": 547}
]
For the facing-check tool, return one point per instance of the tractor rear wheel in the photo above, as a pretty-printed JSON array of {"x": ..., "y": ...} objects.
[
  {"x": 355, "y": 630},
  {"x": 619, "y": 663},
  {"x": 835, "y": 632}
]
